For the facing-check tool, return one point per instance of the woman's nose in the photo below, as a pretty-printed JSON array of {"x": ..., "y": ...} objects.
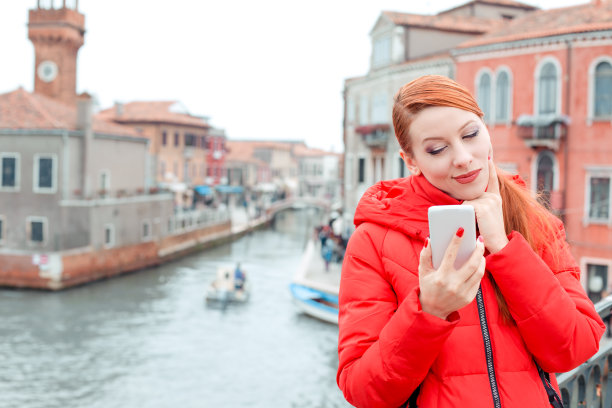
[{"x": 463, "y": 157}]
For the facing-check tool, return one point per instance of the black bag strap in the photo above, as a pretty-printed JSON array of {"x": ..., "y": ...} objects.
[
  {"x": 553, "y": 397},
  {"x": 412, "y": 401}
]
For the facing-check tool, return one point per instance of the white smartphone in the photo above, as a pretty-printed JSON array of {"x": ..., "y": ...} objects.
[{"x": 444, "y": 221}]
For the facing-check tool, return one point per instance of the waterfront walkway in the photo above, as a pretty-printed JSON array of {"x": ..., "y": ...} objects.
[{"x": 312, "y": 271}]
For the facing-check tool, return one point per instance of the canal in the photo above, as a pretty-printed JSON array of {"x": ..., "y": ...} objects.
[{"x": 148, "y": 339}]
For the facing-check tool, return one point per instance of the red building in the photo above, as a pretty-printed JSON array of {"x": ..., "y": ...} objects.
[
  {"x": 544, "y": 82},
  {"x": 216, "y": 172}
]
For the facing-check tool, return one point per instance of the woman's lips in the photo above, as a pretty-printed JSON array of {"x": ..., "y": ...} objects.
[{"x": 467, "y": 177}]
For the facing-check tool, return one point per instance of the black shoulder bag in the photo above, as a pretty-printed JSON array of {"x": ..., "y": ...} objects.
[{"x": 553, "y": 397}]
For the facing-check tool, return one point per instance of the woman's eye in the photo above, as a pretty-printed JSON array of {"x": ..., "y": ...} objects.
[
  {"x": 436, "y": 151},
  {"x": 471, "y": 135}
]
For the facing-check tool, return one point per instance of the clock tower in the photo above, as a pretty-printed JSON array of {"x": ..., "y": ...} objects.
[{"x": 57, "y": 34}]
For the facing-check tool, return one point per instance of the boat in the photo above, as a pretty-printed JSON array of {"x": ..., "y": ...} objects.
[
  {"x": 315, "y": 303},
  {"x": 223, "y": 289}
]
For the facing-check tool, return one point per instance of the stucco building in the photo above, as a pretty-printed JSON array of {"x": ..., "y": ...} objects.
[
  {"x": 545, "y": 84},
  {"x": 404, "y": 47}
]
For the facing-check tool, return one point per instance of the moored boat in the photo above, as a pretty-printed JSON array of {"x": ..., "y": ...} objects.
[{"x": 315, "y": 303}]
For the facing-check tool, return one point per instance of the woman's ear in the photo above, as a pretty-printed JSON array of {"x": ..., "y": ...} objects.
[{"x": 412, "y": 167}]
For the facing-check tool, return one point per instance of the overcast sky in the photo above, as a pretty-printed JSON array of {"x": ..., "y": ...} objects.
[{"x": 266, "y": 69}]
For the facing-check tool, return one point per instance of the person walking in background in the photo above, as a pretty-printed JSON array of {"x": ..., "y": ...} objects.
[{"x": 483, "y": 335}]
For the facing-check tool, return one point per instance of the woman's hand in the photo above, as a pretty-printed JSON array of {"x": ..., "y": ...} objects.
[
  {"x": 489, "y": 214},
  {"x": 447, "y": 289}
]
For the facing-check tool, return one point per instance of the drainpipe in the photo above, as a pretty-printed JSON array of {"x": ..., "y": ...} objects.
[
  {"x": 568, "y": 105},
  {"x": 84, "y": 124}
]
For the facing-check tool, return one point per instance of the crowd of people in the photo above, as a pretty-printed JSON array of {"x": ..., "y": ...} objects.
[{"x": 332, "y": 245}]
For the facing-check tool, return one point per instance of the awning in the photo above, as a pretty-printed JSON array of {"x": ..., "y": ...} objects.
[
  {"x": 229, "y": 189},
  {"x": 203, "y": 190}
]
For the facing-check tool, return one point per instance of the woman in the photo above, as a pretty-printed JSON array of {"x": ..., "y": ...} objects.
[{"x": 472, "y": 337}]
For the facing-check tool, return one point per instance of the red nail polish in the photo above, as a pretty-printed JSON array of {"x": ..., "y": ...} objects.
[
  {"x": 489, "y": 158},
  {"x": 426, "y": 243},
  {"x": 460, "y": 232},
  {"x": 480, "y": 238}
]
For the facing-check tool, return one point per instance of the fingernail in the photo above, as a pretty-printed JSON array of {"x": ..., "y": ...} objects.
[
  {"x": 460, "y": 232},
  {"x": 426, "y": 242},
  {"x": 480, "y": 238},
  {"x": 489, "y": 158}
]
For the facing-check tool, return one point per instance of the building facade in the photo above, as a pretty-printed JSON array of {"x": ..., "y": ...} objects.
[
  {"x": 544, "y": 81},
  {"x": 404, "y": 47},
  {"x": 545, "y": 85}
]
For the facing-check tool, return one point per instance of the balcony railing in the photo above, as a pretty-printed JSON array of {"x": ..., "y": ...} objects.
[
  {"x": 542, "y": 131},
  {"x": 590, "y": 385},
  {"x": 376, "y": 135}
]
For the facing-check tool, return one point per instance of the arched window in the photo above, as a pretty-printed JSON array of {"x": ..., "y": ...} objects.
[
  {"x": 603, "y": 89},
  {"x": 502, "y": 97},
  {"x": 545, "y": 177},
  {"x": 483, "y": 95},
  {"x": 547, "y": 88}
]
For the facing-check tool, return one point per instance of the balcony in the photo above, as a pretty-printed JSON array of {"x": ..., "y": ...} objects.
[
  {"x": 375, "y": 136},
  {"x": 542, "y": 131}
]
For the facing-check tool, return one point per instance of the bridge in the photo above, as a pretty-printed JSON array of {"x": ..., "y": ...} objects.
[
  {"x": 590, "y": 384},
  {"x": 297, "y": 202}
]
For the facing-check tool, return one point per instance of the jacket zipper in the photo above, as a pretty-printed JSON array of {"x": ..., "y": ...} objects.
[{"x": 484, "y": 328}]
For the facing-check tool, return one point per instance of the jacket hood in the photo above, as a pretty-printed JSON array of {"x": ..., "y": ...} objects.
[{"x": 401, "y": 204}]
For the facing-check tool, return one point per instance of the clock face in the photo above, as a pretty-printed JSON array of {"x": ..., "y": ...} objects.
[{"x": 47, "y": 71}]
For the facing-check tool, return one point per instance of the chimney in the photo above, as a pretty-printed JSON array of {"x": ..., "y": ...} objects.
[{"x": 84, "y": 111}]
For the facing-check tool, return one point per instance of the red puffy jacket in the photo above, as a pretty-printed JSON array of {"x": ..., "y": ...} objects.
[{"x": 388, "y": 346}]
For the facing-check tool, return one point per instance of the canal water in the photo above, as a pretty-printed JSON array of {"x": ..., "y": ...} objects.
[{"x": 148, "y": 339}]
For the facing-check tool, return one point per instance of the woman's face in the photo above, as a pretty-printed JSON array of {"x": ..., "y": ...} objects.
[{"x": 450, "y": 147}]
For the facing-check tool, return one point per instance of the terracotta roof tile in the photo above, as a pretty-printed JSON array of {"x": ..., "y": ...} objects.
[
  {"x": 446, "y": 22},
  {"x": 20, "y": 109},
  {"x": 153, "y": 111},
  {"x": 546, "y": 23},
  {"x": 507, "y": 3}
]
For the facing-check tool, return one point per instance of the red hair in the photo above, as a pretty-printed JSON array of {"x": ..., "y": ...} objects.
[{"x": 520, "y": 208}]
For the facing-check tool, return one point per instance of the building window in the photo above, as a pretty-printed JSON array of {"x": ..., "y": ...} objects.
[
  {"x": 36, "y": 229},
  {"x": 381, "y": 51},
  {"x": 9, "y": 178},
  {"x": 45, "y": 173},
  {"x": 603, "y": 90},
  {"x": 2, "y": 227},
  {"x": 502, "y": 97},
  {"x": 597, "y": 281},
  {"x": 379, "y": 108},
  {"x": 203, "y": 142},
  {"x": 164, "y": 138},
  {"x": 176, "y": 138},
  {"x": 483, "y": 95},
  {"x": 190, "y": 140},
  {"x": 599, "y": 198},
  {"x": 364, "y": 110},
  {"x": 109, "y": 236},
  {"x": 545, "y": 177},
  {"x": 146, "y": 230},
  {"x": 361, "y": 173},
  {"x": 547, "y": 89},
  {"x": 104, "y": 180}
]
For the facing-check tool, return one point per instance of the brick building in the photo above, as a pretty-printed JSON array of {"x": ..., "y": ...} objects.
[
  {"x": 545, "y": 84},
  {"x": 544, "y": 81}
]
